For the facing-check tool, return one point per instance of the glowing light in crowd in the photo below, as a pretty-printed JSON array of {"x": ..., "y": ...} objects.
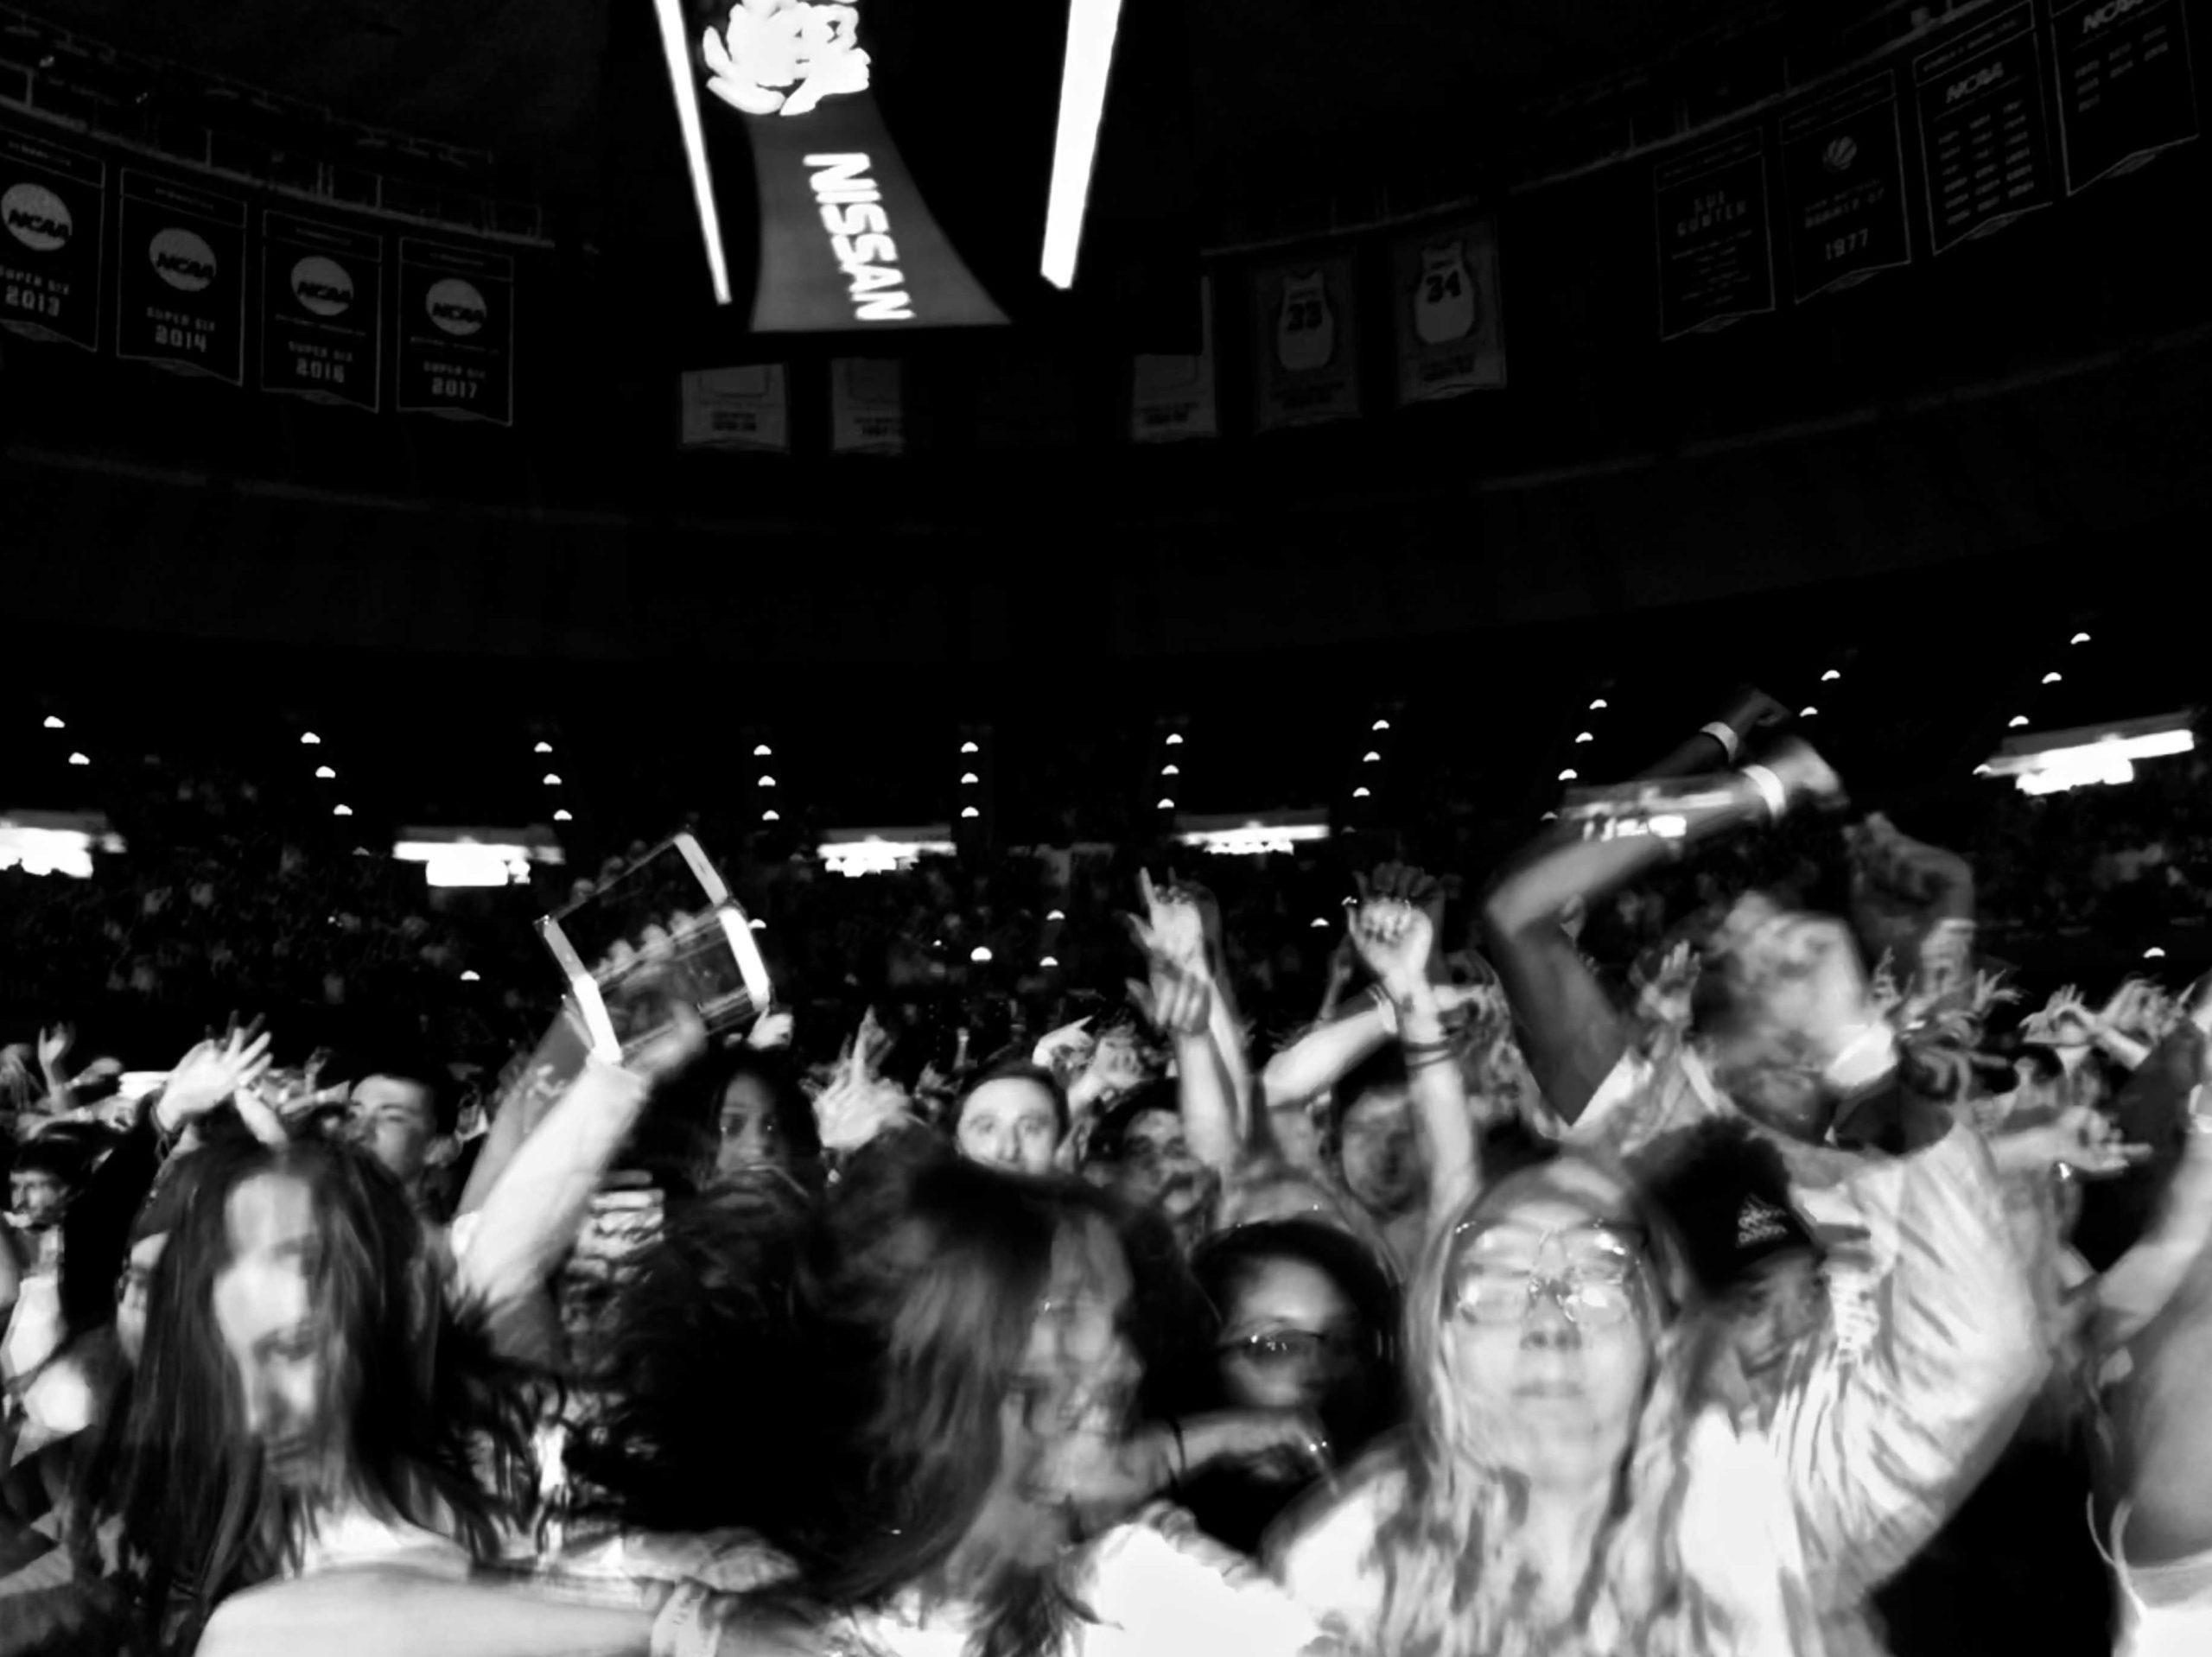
[
  {"x": 54, "y": 723},
  {"x": 1362, "y": 793},
  {"x": 1382, "y": 725},
  {"x": 970, "y": 747},
  {"x": 1549, "y": 816},
  {"x": 1599, "y": 705},
  {"x": 981, "y": 954},
  {"x": 1323, "y": 921},
  {"x": 1174, "y": 739},
  {"x": 564, "y": 815},
  {"x": 2079, "y": 638},
  {"x": 471, "y": 976},
  {"x": 1830, "y": 677},
  {"x": 542, "y": 747},
  {"x": 970, "y": 811},
  {"x": 969, "y": 779},
  {"x": 764, "y": 751},
  {"x": 1167, "y": 805},
  {"x": 767, "y": 782},
  {"x": 1092, "y": 25},
  {"x": 1271, "y": 836},
  {"x": 882, "y": 851},
  {"x": 452, "y": 862},
  {"x": 1569, "y": 776},
  {"x": 2154, "y": 953},
  {"x": 676, "y": 46},
  {"x": 2017, "y": 722},
  {"x": 41, "y": 842},
  {"x": 324, "y": 774},
  {"x": 552, "y": 779},
  {"x": 1808, "y": 713},
  {"x": 2051, "y": 678},
  {"x": 1371, "y": 757},
  {"x": 1585, "y": 736},
  {"x": 1048, "y": 962},
  {"x": 757, "y": 924},
  {"x": 342, "y": 811},
  {"x": 1171, "y": 770},
  {"x": 1055, "y": 915},
  {"x": 79, "y": 759},
  {"x": 772, "y": 817},
  {"x": 2095, "y": 755},
  {"x": 309, "y": 739}
]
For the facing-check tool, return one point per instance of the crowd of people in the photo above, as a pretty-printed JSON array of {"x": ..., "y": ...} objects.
[{"x": 1678, "y": 1235}]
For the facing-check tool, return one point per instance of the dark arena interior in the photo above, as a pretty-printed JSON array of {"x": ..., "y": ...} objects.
[{"x": 1138, "y": 826}]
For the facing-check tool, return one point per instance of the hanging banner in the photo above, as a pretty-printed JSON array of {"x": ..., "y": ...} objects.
[
  {"x": 737, "y": 408},
  {"x": 1445, "y": 297},
  {"x": 1172, "y": 395},
  {"x": 322, "y": 311},
  {"x": 1306, "y": 356},
  {"x": 2126, "y": 89},
  {"x": 1843, "y": 179},
  {"x": 867, "y": 406},
  {"x": 1716, "y": 253},
  {"x": 179, "y": 282},
  {"x": 834, "y": 224},
  {"x": 456, "y": 332},
  {"x": 54, "y": 209},
  {"x": 1983, "y": 139}
]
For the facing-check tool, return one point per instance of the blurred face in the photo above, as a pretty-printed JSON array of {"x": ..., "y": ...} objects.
[
  {"x": 394, "y": 1121},
  {"x": 1065, "y": 1413},
  {"x": 1290, "y": 1340},
  {"x": 37, "y": 1200},
  {"x": 1803, "y": 998},
  {"x": 1010, "y": 1123},
  {"x": 281, "y": 1346},
  {"x": 1548, "y": 1332},
  {"x": 1380, "y": 1153},
  {"x": 1157, "y": 1169},
  {"x": 130, "y": 1295},
  {"x": 1780, "y": 1306},
  {"x": 752, "y": 1136}
]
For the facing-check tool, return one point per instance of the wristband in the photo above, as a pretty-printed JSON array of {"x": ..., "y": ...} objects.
[
  {"x": 1182, "y": 1469},
  {"x": 1421, "y": 1062},
  {"x": 683, "y": 1628},
  {"x": 1724, "y": 733},
  {"x": 1387, "y": 1007},
  {"x": 1423, "y": 1049},
  {"x": 1770, "y": 790}
]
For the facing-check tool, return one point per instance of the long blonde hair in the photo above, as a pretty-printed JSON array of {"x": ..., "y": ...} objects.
[{"x": 1459, "y": 1579}]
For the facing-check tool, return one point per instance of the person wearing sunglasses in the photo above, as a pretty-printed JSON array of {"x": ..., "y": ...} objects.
[{"x": 1578, "y": 1477}]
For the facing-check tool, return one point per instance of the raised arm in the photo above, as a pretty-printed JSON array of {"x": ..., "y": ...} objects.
[{"x": 1395, "y": 940}]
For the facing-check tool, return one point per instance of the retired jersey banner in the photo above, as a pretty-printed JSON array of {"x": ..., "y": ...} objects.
[
  {"x": 1843, "y": 183},
  {"x": 1172, "y": 395},
  {"x": 180, "y": 277},
  {"x": 1445, "y": 297},
  {"x": 867, "y": 406},
  {"x": 322, "y": 311},
  {"x": 1985, "y": 141},
  {"x": 456, "y": 332},
  {"x": 2124, "y": 87},
  {"x": 1306, "y": 355},
  {"x": 52, "y": 220},
  {"x": 1716, "y": 253},
  {"x": 737, "y": 408}
]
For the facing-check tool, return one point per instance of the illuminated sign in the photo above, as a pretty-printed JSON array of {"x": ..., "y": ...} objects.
[
  {"x": 46, "y": 842},
  {"x": 855, "y": 852},
  {"x": 1275, "y": 833},
  {"x": 2090, "y": 756},
  {"x": 846, "y": 241},
  {"x": 455, "y": 859}
]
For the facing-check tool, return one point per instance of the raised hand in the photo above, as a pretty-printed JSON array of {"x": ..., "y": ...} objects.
[
  {"x": 770, "y": 1030},
  {"x": 2079, "y": 1137},
  {"x": 1751, "y": 709},
  {"x": 672, "y": 1051},
  {"x": 1173, "y": 926},
  {"x": 1804, "y": 774},
  {"x": 1178, "y": 1002},
  {"x": 53, "y": 1047},
  {"x": 857, "y": 1105},
  {"x": 212, "y": 1073},
  {"x": 1395, "y": 939}
]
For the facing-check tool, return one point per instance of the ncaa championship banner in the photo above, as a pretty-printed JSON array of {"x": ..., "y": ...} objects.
[
  {"x": 1444, "y": 301},
  {"x": 180, "y": 280},
  {"x": 867, "y": 406},
  {"x": 1172, "y": 395},
  {"x": 1306, "y": 349},
  {"x": 456, "y": 322},
  {"x": 737, "y": 408},
  {"x": 53, "y": 221},
  {"x": 322, "y": 311}
]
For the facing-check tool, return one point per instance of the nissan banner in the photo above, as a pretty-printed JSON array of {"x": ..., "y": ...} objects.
[
  {"x": 456, "y": 332},
  {"x": 180, "y": 277},
  {"x": 322, "y": 311},
  {"x": 52, "y": 208}
]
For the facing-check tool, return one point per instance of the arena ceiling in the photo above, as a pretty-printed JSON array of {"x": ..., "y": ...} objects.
[{"x": 1281, "y": 88}]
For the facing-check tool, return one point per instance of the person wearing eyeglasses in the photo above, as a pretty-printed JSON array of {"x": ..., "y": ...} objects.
[{"x": 1576, "y": 1477}]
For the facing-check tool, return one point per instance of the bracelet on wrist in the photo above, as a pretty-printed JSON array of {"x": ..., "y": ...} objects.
[
  {"x": 1724, "y": 733},
  {"x": 1180, "y": 1473},
  {"x": 1422, "y": 1061},
  {"x": 1771, "y": 792}
]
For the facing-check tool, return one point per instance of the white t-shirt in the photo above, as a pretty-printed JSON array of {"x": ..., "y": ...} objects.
[{"x": 2165, "y": 1609}]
